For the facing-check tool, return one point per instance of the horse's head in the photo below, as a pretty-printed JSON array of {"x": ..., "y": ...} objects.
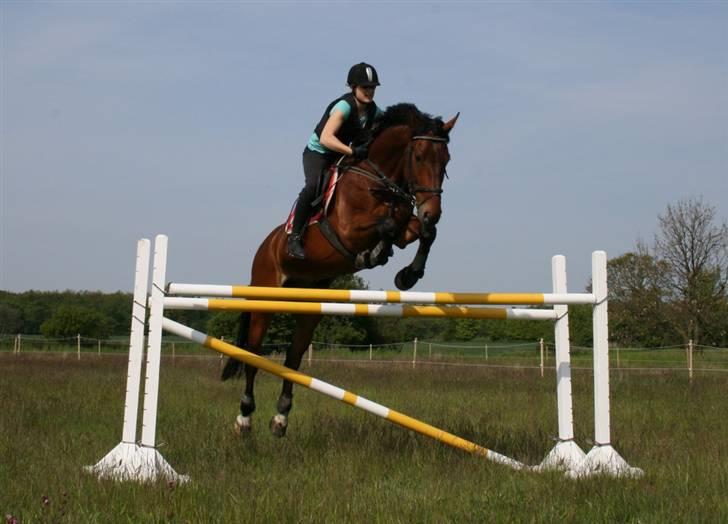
[{"x": 427, "y": 156}]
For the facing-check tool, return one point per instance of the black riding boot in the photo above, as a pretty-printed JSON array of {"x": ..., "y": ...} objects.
[{"x": 295, "y": 239}]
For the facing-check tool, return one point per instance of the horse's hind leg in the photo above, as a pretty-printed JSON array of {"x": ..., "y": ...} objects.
[
  {"x": 256, "y": 332},
  {"x": 305, "y": 326}
]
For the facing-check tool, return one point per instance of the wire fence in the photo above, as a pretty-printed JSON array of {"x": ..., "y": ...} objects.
[{"x": 691, "y": 358}]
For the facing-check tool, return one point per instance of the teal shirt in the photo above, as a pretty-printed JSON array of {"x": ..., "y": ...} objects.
[{"x": 345, "y": 108}]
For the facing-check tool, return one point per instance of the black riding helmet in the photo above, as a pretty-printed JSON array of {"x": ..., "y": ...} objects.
[{"x": 362, "y": 74}]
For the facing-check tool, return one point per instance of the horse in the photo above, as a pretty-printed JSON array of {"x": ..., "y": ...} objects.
[{"x": 392, "y": 198}]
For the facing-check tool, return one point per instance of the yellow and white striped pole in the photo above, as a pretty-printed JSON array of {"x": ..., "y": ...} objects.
[
  {"x": 372, "y": 310},
  {"x": 337, "y": 393},
  {"x": 367, "y": 295}
]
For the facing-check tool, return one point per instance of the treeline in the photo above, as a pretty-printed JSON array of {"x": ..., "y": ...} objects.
[
  {"x": 669, "y": 293},
  {"x": 101, "y": 315}
]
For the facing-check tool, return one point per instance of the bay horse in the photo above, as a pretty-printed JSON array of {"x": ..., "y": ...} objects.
[{"x": 391, "y": 198}]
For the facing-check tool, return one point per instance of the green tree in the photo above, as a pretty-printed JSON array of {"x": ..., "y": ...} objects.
[
  {"x": 69, "y": 320},
  {"x": 637, "y": 286},
  {"x": 11, "y": 320},
  {"x": 694, "y": 246}
]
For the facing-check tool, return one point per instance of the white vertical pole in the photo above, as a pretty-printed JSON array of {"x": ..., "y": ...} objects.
[
  {"x": 601, "y": 349},
  {"x": 20, "y": 341},
  {"x": 310, "y": 354},
  {"x": 566, "y": 454},
  {"x": 414, "y": 353},
  {"x": 136, "y": 342},
  {"x": 370, "y": 351},
  {"x": 562, "y": 352},
  {"x": 486, "y": 352},
  {"x": 540, "y": 347},
  {"x": 690, "y": 359},
  {"x": 154, "y": 343}
]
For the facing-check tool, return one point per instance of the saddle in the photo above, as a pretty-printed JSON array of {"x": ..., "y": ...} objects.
[{"x": 320, "y": 205}]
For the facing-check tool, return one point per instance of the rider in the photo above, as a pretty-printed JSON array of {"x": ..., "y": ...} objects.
[{"x": 341, "y": 124}]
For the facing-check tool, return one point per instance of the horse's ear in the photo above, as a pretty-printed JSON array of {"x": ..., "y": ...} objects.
[{"x": 451, "y": 123}]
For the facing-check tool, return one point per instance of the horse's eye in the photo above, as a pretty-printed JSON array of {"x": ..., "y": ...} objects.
[{"x": 418, "y": 158}]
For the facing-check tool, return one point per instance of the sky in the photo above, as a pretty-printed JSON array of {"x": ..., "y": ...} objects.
[{"x": 580, "y": 122}]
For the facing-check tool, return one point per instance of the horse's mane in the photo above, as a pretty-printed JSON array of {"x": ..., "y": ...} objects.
[{"x": 408, "y": 115}]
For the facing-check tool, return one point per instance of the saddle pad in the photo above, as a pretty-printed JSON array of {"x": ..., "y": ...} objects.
[{"x": 324, "y": 207}]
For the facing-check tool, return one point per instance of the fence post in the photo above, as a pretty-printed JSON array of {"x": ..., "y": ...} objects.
[
  {"x": 99, "y": 342},
  {"x": 690, "y": 360},
  {"x": 20, "y": 342},
  {"x": 78, "y": 346},
  {"x": 370, "y": 351},
  {"x": 540, "y": 347},
  {"x": 310, "y": 354},
  {"x": 414, "y": 353},
  {"x": 486, "y": 352}
]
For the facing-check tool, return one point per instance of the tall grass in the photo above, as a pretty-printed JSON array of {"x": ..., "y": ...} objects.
[{"x": 338, "y": 464}]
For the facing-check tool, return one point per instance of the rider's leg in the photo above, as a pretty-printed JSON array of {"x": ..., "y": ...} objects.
[{"x": 313, "y": 165}]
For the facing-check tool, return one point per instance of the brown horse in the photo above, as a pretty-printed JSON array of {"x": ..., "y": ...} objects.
[{"x": 372, "y": 211}]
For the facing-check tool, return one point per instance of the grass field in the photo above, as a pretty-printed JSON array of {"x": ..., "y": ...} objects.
[{"x": 338, "y": 464}]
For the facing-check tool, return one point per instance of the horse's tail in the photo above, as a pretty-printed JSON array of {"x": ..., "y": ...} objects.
[{"x": 234, "y": 368}]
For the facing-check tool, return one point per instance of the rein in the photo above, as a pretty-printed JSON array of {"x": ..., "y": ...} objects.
[{"x": 408, "y": 196}]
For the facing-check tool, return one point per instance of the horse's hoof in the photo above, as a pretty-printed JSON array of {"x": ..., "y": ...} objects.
[
  {"x": 278, "y": 425},
  {"x": 405, "y": 279},
  {"x": 243, "y": 425}
]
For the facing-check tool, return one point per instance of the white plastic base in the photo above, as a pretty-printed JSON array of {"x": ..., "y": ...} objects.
[
  {"x": 604, "y": 460},
  {"x": 566, "y": 455},
  {"x": 129, "y": 461}
]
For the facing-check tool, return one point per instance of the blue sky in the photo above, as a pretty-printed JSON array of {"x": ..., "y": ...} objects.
[{"x": 579, "y": 123}]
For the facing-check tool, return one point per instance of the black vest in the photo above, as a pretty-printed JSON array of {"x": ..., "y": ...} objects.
[{"x": 351, "y": 129}]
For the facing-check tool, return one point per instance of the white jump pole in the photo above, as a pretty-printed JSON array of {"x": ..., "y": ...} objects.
[
  {"x": 566, "y": 454},
  {"x": 128, "y": 460},
  {"x": 602, "y": 458}
]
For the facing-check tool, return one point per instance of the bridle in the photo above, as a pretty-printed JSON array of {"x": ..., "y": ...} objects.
[
  {"x": 410, "y": 194},
  {"x": 416, "y": 188}
]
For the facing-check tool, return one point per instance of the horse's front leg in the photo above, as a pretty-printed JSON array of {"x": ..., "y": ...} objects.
[
  {"x": 409, "y": 275},
  {"x": 305, "y": 326},
  {"x": 250, "y": 337}
]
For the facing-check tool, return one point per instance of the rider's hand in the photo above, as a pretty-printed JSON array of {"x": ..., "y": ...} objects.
[{"x": 360, "y": 152}]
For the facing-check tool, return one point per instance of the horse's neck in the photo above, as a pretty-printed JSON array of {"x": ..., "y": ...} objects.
[{"x": 390, "y": 158}]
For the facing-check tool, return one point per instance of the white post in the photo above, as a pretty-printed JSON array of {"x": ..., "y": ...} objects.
[
  {"x": 486, "y": 352},
  {"x": 602, "y": 457},
  {"x": 414, "y": 353},
  {"x": 310, "y": 354},
  {"x": 78, "y": 346},
  {"x": 128, "y": 461},
  {"x": 540, "y": 347},
  {"x": 370, "y": 351},
  {"x": 566, "y": 454},
  {"x": 690, "y": 359}
]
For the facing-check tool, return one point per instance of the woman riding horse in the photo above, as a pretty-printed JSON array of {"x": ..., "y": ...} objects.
[
  {"x": 372, "y": 210},
  {"x": 342, "y": 123}
]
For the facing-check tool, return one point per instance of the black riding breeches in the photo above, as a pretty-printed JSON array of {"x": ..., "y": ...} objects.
[{"x": 314, "y": 165}]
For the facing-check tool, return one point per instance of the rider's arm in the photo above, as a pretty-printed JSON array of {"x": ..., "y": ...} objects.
[{"x": 328, "y": 134}]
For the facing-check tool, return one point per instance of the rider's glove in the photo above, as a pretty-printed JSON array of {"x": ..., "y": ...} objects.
[{"x": 360, "y": 152}]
